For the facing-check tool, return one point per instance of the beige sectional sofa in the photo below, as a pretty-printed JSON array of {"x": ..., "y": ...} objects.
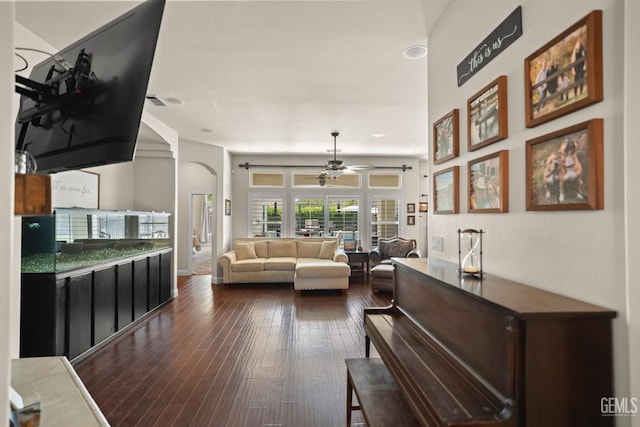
[{"x": 310, "y": 263}]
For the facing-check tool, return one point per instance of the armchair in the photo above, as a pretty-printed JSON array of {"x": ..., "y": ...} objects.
[
  {"x": 380, "y": 260},
  {"x": 393, "y": 247}
]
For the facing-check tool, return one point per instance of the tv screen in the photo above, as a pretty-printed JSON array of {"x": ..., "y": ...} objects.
[{"x": 97, "y": 112}]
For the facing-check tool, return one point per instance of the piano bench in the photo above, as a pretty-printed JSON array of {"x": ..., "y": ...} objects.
[{"x": 379, "y": 398}]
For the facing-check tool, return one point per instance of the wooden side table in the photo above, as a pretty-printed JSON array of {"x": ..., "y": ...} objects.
[{"x": 359, "y": 263}]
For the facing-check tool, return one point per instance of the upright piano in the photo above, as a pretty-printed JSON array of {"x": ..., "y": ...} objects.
[{"x": 492, "y": 352}]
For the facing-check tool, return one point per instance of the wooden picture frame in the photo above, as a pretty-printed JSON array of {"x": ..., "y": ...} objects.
[
  {"x": 487, "y": 115},
  {"x": 565, "y": 74},
  {"x": 446, "y": 137},
  {"x": 565, "y": 169},
  {"x": 411, "y": 208},
  {"x": 227, "y": 207},
  {"x": 488, "y": 183},
  {"x": 411, "y": 220},
  {"x": 423, "y": 207},
  {"x": 446, "y": 184}
]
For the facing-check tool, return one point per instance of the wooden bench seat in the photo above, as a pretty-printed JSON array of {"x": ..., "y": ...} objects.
[
  {"x": 378, "y": 395},
  {"x": 449, "y": 393}
]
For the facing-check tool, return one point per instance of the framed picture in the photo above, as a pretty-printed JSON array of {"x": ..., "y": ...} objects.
[
  {"x": 349, "y": 244},
  {"x": 565, "y": 169},
  {"x": 446, "y": 137},
  {"x": 445, "y": 190},
  {"x": 489, "y": 183},
  {"x": 487, "y": 115},
  {"x": 411, "y": 220},
  {"x": 565, "y": 74},
  {"x": 423, "y": 207},
  {"x": 411, "y": 208},
  {"x": 227, "y": 207}
]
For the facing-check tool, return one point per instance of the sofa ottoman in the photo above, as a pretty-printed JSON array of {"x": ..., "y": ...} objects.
[
  {"x": 382, "y": 278},
  {"x": 313, "y": 274}
]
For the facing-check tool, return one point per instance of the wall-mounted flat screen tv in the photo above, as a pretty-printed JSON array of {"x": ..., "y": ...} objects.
[{"x": 97, "y": 88}]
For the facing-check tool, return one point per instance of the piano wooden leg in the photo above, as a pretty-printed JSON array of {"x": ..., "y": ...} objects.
[
  {"x": 367, "y": 345},
  {"x": 349, "y": 400}
]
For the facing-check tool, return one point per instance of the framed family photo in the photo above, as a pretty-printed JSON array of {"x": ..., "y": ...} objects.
[
  {"x": 411, "y": 208},
  {"x": 411, "y": 220},
  {"x": 445, "y": 191},
  {"x": 489, "y": 183},
  {"x": 423, "y": 207},
  {"x": 565, "y": 169},
  {"x": 565, "y": 74},
  {"x": 487, "y": 120},
  {"x": 446, "y": 137}
]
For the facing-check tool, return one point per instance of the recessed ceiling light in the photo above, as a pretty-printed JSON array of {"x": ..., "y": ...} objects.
[
  {"x": 415, "y": 52},
  {"x": 174, "y": 100},
  {"x": 378, "y": 135}
]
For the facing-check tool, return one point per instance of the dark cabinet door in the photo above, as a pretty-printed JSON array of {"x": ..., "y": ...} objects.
[
  {"x": 79, "y": 314},
  {"x": 140, "y": 288},
  {"x": 42, "y": 315},
  {"x": 124, "y": 291},
  {"x": 154, "y": 281},
  {"x": 104, "y": 303},
  {"x": 165, "y": 277}
]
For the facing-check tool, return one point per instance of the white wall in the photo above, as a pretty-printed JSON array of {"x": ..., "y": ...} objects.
[
  {"x": 194, "y": 157},
  {"x": 193, "y": 178},
  {"x": 576, "y": 253},
  {"x": 8, "y": 260},
  {"x": 632, "y": 178}
]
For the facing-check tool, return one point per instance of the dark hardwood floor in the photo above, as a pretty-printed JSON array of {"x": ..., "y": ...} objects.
[{"x": 234, "y": 355}]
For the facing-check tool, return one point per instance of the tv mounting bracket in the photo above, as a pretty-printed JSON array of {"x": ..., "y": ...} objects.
[{"x": 47, "y": 95}]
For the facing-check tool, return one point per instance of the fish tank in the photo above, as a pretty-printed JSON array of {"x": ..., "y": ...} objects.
[{"x": 69, "y": 238}]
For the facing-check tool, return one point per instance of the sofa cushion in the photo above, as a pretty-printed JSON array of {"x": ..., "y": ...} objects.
[
  {"x": 322, "y": 269},
  {"x": 280, "y": 264},
  {"x": 328, "y": 249},
  {"x": 262, "y": 249},
  {"x": 282, "y": 248},
  {"x": 247, "y": 265},
  {"x": 309, "y": 249},
  {"x": 245, "y": 250}
]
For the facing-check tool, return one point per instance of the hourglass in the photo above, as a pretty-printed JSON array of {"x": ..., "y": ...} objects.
[{"x": 472, "y": 262}]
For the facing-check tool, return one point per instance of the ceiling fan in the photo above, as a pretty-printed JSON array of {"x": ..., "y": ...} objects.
[{"x": 334, "y": 167}]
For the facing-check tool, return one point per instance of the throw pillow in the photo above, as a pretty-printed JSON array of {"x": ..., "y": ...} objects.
[
  {"x": 309, "y": 249},
  {"x": 245, "y": 251},
  {"x": 282, "y": 248},
  {"x": 328, "y": 249}
]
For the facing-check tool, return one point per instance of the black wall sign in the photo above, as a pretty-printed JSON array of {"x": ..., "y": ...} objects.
[{"x": 506, "y": 33}]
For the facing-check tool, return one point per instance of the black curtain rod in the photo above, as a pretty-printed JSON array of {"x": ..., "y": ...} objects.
[{"x": 248, "y": 165}]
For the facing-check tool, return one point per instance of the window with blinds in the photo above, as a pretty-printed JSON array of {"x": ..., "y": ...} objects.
[
  {"x": 344, "y": 216},
  {"x": 309, "y": 217},
  {"x": 266, "y": 216},
  {"x": 384, "y": 218}
]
